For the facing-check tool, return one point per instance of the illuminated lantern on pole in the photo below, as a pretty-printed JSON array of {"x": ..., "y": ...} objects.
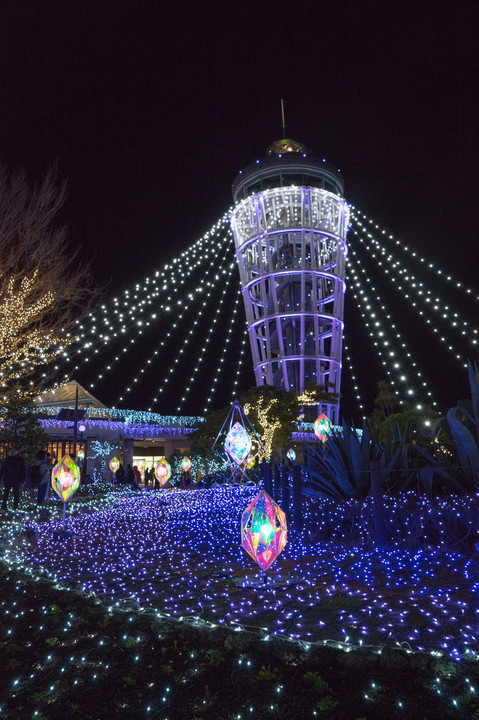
[
  {"x": 81, "y": 455},
  {"x": 185, "y": 464},
  {"x": 263, "y": 530},
  {"x": 322, "y": 427},
  {"x": 237, "y": 444},
  {"x": 163, "y": 472},
  {"x": 65, "y": 481},
  {"x": 291, "y": 455},
  {"x": 114, "y": 464}
]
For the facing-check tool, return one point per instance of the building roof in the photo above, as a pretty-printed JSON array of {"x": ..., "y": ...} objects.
[{"x": 64, "y": 396}]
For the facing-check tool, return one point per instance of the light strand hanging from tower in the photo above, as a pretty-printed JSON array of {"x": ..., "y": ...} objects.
[{"x": 377, "y": 330}]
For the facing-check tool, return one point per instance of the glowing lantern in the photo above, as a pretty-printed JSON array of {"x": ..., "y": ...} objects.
[
  {"x": 65, "y": 478},
  {"x": 250, "y": 462},
  {"x": 322, "y": 427},
  {"x": 81, "y": 455},
  {"x": 114, "y": 464},
  {"x": 263, "y": 530},
  {"x": 291, "y": 455},
  {"x": 238, "y": 444},
  {"x": 163, "y": 472},
  {"x": 185, "y": 464}
]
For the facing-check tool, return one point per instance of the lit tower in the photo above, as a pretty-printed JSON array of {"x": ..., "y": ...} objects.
[{"x": 289, "y": 223}]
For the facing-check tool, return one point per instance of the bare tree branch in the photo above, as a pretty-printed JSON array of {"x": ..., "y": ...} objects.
[{"x": 44, "y": 291}]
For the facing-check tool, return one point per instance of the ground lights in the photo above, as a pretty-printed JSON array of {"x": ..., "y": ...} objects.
[{"x": 172, "y": 552}]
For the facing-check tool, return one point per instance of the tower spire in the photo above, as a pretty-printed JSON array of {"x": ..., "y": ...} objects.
[{"x": 282, "y": 117}]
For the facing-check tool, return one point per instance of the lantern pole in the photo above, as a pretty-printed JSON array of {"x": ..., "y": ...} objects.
[
  {"x": 64, "y": 516},
  {"x": 75, "y": 424}
]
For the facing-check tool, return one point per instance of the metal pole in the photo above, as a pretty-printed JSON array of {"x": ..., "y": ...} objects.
[
  {"x": 297, "y": 510},
  {"x": 64, "y": 516},
  {"x": 75, "y": 423},
  {"x": 285, "y": 491},
  {"x": 378, "y": 505}
]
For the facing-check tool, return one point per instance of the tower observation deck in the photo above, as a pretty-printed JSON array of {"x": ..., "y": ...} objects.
[{"x": 289, "y": 223}]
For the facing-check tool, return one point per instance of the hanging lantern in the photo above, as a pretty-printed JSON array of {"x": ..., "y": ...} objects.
[
  {"x": 263, "y": 530},
  {"x": 114, "y": 464},
  {"x": 185, "y": 464},
  {"x": 238, "y": 444},
  {"x": 322, "y": 427},
  {"x": 81, "y": 455},
  {"x": 163, "y": 471},
  {"x": 65, "y": 478},
  {"x": 291, "y": 455}
]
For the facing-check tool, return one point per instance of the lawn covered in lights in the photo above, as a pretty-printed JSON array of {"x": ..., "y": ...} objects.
[{"x": 180, "y": 554}]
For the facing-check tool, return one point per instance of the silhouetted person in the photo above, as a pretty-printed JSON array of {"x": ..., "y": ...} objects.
[{"x": 13, "y": 473}]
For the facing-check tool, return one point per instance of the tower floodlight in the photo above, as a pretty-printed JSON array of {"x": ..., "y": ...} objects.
[{"x": 289, "y": 223}]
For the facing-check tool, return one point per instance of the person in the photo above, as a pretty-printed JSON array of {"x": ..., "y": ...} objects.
[
  {"x": 137, "y": 477},
  {"x": 147, "y": 477},
  {"x": 13, "y": 473},
  {"x": 130, "y": 476},
  {"x": 45, "y": 464},
  {"x": 120, "y": 474}
]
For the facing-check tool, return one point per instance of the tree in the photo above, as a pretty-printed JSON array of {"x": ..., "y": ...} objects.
[
  {"x": 21, "y": 428},
  {"x": 390, "y": 418},
  {"x": 43, "y": 290}
]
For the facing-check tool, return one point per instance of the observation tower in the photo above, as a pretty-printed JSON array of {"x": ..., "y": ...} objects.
[{"x": 289, "y": 224}]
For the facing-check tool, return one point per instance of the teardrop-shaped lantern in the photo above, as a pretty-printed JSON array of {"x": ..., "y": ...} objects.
[
  {"x": 65, "y": 478},
  {"x": 114, "y": 464},
  {"x": 163, "y": 471},
  {"x": 322, "y": 427},
  {"x": 238, "y": 443}
]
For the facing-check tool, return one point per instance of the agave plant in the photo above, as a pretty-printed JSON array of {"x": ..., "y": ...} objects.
[
  {"x": 458, "y": 433},
  {"x": 342, "y": 468}
]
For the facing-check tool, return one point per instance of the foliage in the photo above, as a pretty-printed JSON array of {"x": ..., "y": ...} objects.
[
  {"x": 43, "y": 291},
  {"x": 456, "y": 436},
  {"x": 390, "y": 418},
  {"x": 20, "y": 427},
  {"x": 341, "y": 468}
]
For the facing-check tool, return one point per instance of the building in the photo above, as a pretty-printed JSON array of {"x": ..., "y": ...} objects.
[
  {"x": 289, "y": 223},
  {"x": 138, "y": 438}
]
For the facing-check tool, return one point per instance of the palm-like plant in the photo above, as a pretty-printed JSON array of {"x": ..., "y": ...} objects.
[{"x": 341, "y": 469}]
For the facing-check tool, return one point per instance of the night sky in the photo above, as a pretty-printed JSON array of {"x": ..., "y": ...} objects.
[{"x": 151, "y": 108}]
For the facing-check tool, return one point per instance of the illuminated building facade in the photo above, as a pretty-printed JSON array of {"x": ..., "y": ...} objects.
[{"x": 289, "y": 223}]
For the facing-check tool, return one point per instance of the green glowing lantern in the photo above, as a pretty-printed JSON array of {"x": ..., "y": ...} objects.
[
  {"x": 114, "y": 464},
  {"x": 81, "y": 455},
  {"x": 322, "y": 427},
  {"x": 263, "y": 530},
  {"x": 163, "y": 472}
]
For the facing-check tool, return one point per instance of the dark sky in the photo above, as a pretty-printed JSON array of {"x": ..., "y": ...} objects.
[{"x": 151, "y": 108}]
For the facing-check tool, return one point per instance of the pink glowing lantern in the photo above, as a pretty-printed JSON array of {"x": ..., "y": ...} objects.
[
  {"x": 322, "y": 427},
  {"x": 238, "y": 443},
  {"x": 185, "y": 464},
  {"x": 81, "y": 455},
  {"x": 114, "y": 464},
  {"x": 263, "y": 530},
  {"x": 163, "y": 471}
]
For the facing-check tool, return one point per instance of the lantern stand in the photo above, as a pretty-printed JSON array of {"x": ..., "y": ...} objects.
[
  {"x": 65, "y": 489},
  {"x": 236, "y": 417}
]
